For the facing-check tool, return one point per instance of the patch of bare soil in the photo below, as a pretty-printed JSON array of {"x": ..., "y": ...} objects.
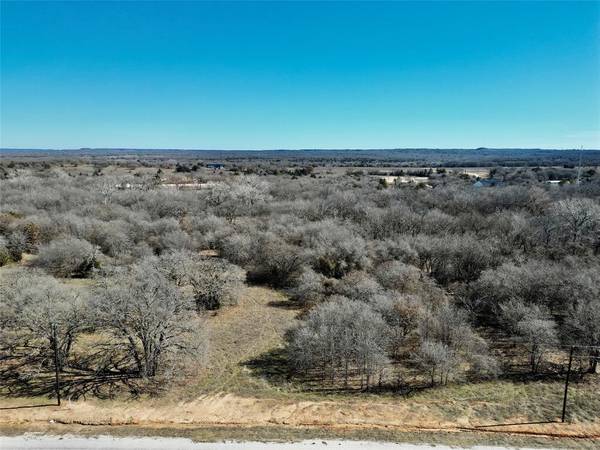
[{"x": 232, "y": 410}]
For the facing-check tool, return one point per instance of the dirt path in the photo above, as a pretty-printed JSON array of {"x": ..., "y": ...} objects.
[
  {"x": 237, "y": 336},
  {"x": 253, "y": 327}
]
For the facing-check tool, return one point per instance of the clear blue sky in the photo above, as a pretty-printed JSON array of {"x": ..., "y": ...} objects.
[{"x": 300, "y": 75}]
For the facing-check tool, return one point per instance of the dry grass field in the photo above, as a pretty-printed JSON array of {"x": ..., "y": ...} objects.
[{"x": 231, "y": 392}]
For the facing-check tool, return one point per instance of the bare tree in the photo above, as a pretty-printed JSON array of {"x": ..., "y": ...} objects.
[
  {"x": 41, "y": 311},
  {"x": 532, "y": 325},
  {"x": 576, "y": 220},
  {"x": 107, "y": 186},
  {"x": 448, "y": 344},
  {"x": 339, "y": 336},
  {"x": 309, "y": 288},
  {"x": 438, "y": 359},
  {"x": 582, "y": 327},
  {"x": 276, "y": 263},
  {"x": 147, "y": 315},
  {"x": 399, "y": 276},
  {"x": 538, "y": 334},
  {"x": 214, "y": 282},
  {"x": 240, "y": 197},
  {"x": 335, "y": 249}
]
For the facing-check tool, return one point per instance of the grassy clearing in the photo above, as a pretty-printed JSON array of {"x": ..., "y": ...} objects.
[
  {"x": 238, "y": 336},
  {"x": 498, "y": 400}
]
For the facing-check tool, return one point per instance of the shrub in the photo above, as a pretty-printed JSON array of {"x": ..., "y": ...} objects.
[
  {"x": 5, "y": 256},
  {"x": 309, "y": 288},
  {"x": 214, "y": 282},
  {"x": 16, "y": 245},
  {"x": 277, "y": 263},
  {"x": 68, "y": 257}
]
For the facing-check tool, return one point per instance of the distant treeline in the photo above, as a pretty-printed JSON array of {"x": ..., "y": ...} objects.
[{"x": 346, "y": 157}]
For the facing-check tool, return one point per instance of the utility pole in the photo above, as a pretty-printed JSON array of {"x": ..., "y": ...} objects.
[
  {"x": 56, "y": 379},
  {"x": 564, "y": 408}
]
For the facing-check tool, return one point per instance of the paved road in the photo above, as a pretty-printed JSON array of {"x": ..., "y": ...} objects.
[{"x": 30, "y": 442}]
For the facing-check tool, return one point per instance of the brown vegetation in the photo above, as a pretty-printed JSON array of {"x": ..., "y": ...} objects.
[{"x": 299, "y": 297}]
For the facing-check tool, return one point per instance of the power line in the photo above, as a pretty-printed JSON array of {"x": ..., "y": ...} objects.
[
  {"x": 56, "y": 369},
  {"x": 564, "y": 408}
]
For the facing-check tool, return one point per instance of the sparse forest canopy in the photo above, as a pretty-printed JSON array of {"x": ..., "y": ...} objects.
[{"x": 119, "y": 262}]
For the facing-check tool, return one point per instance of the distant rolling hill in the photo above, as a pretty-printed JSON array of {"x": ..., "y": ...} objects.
[{"x": 411, "y": 156}]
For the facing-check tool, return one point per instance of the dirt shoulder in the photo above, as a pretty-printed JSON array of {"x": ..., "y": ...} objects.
[{"x": 228, "y": 410}]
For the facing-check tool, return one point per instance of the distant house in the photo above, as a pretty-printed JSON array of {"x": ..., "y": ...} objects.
[
  {"x": 194, "y": 185},
  {"x": 123, "y": 186},
  {"x": 388, "y": 179},
  {"x": 487, "y": 183},
  {"x": 215, "y": 165},
  {"x": 411, "y": 179},
  {"x": 391, "y": 180}
]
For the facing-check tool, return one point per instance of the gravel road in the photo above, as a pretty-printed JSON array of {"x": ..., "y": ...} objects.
[{"x": 30, "y": 442}]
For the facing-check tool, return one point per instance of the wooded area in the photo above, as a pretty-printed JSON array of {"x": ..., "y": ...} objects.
[{"x": 397, "y": 286}]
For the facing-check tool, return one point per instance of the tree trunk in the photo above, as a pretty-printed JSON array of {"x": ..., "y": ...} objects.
[
  {"x": 594, "y": 362},
  {"x": 346, "y": 373},
  {"x": 135, "y": 354}
]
